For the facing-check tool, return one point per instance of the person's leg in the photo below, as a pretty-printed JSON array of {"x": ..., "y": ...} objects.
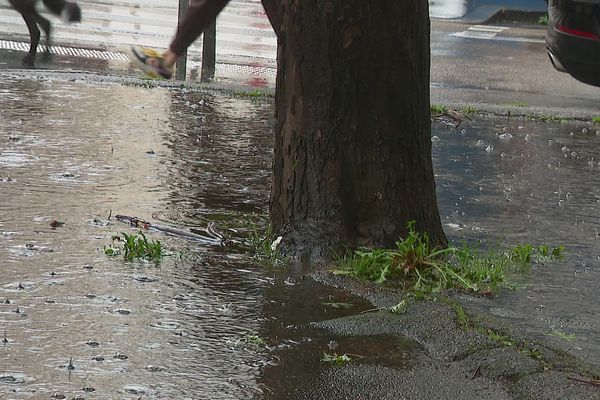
[
  {"x": 273, "y": 11},
  {"x": 199, "y": 15}
]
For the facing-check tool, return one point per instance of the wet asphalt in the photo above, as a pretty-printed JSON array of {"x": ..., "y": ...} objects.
[{"x": 500, "y": 65}]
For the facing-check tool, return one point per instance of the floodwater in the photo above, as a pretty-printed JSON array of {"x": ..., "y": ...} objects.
[
  {"x": 207, "y": 322},
  {"x": 512, "y": 181}
]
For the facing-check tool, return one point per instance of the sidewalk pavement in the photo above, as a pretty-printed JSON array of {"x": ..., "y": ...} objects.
[
  {"x": 246, "y": 43},
  {"x": 489, "y": 75}
]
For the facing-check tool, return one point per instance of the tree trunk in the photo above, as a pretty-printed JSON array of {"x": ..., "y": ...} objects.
[{"x": 353, "y": 137}]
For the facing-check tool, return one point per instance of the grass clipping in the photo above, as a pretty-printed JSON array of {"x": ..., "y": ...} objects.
[
  {"x": 423, "y": 269},
  {"x": 135, "y": 247}
]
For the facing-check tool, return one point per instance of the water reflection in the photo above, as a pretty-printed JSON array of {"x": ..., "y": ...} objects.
[
  {"x": 211, "y": 324},
  {"x": 516, "y": 181},
  {"x": 79, "y": 323}
]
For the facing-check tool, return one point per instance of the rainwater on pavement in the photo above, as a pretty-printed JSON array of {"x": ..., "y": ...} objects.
[
  {"x": 206, "y": 322},
  {"x": 510, "y": 181}
]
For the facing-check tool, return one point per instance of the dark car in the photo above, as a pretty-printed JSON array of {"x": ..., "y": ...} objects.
[{"x": 573, "y": 38}]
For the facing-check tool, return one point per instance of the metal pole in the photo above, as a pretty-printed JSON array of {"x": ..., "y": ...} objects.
[
  {"x": 209, "y": 50},
  {"x": 181, "y": 66}
]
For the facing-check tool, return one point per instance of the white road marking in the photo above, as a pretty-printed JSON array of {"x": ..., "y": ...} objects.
[
  {"x": 491, "y": 33},
  {"x": 488, "y": 28}
]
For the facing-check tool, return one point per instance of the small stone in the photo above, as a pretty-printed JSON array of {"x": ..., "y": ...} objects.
[
  {"x": 56, "y": 224},
  {"x": 153, "y": 368}
]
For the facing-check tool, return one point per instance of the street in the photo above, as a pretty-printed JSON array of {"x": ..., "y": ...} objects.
[
  {"x": 490, "y": 66},
  {"x": 502, "y": 66}
]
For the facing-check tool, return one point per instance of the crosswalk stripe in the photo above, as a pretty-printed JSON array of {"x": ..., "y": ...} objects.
[
  {"x": 491, "y": 33},
  {"x": 487, "y": 28},
  {"x": 63, "y": 50}
]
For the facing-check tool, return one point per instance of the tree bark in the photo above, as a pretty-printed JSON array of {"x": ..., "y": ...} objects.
[{"x": 352, "y": 163}]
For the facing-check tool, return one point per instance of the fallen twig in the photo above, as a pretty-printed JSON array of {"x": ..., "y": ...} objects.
[
  {"x": 455, "y": 116},
  {"x": 207, "y": 235},
  {"x": 594, "y": 382}
]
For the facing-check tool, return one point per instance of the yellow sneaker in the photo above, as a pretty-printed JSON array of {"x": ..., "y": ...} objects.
[{"x": 150, "y": 62}]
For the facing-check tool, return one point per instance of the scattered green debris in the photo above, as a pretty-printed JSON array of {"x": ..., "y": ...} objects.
[
  {"x": 335, "y": 358},
  {"x": 543, "y": 19},
  {"x": 438, "y": 109},
  {"x": 522, "y": 254},
  {"x": 254, "y": 340},
  {"x": 556, "y": 253},
  {"x": 423, "y": 269},
  {"x": 562, "y": 335},
  {"x": 135, "y": 246},
  {"x": 497, "y": 337},
  {"x": 532, "y": 353},
  {"x": 266, "y": 247},
  {"x": 253, "y": 94},
  {"x": 502, "y": 339},
  {"x": 548, "y": 118},
  {"x": 469, "y": 110},
  {"x": 461, "y": 316}
]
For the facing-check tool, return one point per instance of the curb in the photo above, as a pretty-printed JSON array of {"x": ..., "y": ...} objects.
[
  {"x": 516, "y": 16},
  {"x": 494, "y": 15}
]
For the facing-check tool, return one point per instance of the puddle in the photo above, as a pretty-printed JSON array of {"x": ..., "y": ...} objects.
[
  {"x": 205, "y": 322},
  {"x": 538, "y": 184},
  {"x": 208, "y": 322}
]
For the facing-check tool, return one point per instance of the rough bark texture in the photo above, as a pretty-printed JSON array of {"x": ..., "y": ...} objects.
[{"x": 352, "y": 148}]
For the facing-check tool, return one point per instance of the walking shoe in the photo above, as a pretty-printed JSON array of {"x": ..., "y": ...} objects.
[{"x": 150, "y": 62}]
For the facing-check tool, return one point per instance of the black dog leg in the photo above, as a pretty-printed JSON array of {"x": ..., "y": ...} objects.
[
  {"x": 47, "y": 28},
  {"x": 34, "y": 35}
]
